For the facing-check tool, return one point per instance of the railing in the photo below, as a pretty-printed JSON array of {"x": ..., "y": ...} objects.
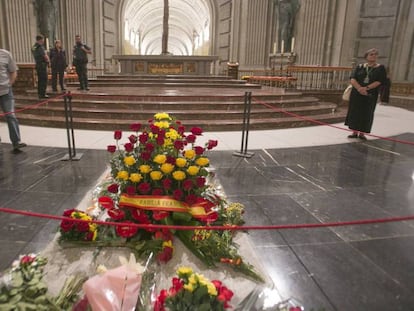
[{"x": 306, "y": 77}]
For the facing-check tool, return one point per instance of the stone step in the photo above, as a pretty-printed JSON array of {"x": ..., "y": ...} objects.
[
  {"x": 143, "y": 83},
  {"x": 257, "y": 112},
  {"x": 221, "y": 124}
]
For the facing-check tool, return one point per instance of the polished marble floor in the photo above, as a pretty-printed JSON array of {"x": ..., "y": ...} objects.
[{"x": 312, "y": 175}]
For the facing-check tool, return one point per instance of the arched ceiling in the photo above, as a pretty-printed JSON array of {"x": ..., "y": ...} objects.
[{"x": 187, "y": 19}]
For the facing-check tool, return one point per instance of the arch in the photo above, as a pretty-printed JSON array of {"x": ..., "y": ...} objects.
[{"x": 187, "y": 17}]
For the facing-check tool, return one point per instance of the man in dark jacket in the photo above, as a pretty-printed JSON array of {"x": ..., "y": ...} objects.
[
  {"x": 42, "y": 61},
  {"x": 80, "y": 60}
]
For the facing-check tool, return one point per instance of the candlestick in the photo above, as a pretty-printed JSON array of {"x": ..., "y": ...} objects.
[
  {"x": 282, "y": 49},
  {"x": 292, "y": 45},
  {"x": 47, "y": 44},
  {"x": 274, "y": 48}
]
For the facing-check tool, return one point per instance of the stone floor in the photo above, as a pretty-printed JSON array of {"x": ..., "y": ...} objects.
[{"x": 364, "y": 267}]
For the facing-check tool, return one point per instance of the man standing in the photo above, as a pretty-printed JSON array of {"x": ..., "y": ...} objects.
[
  {"x": 80, "y": 60},
  {"x": 8, "y": 75},
  {"x": 42, "y": 61}
]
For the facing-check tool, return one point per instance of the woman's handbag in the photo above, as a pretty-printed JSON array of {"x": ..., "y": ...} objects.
[{"x": 347, "y": 93}]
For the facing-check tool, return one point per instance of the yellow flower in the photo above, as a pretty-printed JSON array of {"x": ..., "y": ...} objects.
[
  {"x": 162, "y": 124},
  {"x": 184, "y": 271},
  {"x": 122, "y": 175},
  {"x": 167, "y": 168},
  {"x": 193, "y": 279},
  {"x": 145, "y": 169},
  {"x": 193, "y": 170},
  {"x": 212, "y": 290},
  {"x": 129, "y": 160},
  {"x": 202, "y": 161},
  {"x": 162, "y": 116},
  {"x": 160, "y": 158},
  {"x": 135, "y": 177},
  {"x": 156, "y": 175},
  {"x": 189, "y": 154},
  {"x": 95, "y": 234},
  {"x": 189, "y": 287},
  {"x": 167, "y": 244},
  {"x": 181, "y": 162},
  {"x": 172, "y": 134},
  {"x": 179, "y": 175}
]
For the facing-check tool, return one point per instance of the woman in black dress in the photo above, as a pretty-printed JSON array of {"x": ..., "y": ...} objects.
[
  {"x": 58, "y": 63},
  {"x": 365, "y": 79}
]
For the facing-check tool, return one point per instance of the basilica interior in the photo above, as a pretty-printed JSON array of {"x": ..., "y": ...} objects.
[{"x": 332, "y": 218}]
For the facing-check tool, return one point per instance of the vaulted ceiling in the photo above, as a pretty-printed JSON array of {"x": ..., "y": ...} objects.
[{"x": 189, "y": 25}]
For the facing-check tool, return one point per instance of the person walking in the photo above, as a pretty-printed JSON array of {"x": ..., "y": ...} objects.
[
  {"x": 42, "y": 61},
  {"x": 58, "y": 65},
  {"x": 80, "y": 61},
  {"x": 365, "y": 79},
  {"x": 8, "y": 75}
]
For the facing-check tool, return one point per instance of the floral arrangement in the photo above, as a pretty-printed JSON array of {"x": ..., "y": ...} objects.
[
  {"x": 192, "y": 291},
  {"x": 78, "y": 230},
  {"x": 22, "y": 288},
  {"x": 160, "y": 176}
]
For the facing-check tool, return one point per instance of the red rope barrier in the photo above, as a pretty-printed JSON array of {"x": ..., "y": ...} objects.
[
  {"x": 327, "y": 124},
  {"x": 233, "y": 228}
]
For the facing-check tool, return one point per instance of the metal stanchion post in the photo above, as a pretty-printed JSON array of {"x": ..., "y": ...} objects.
[
  {"x": 246, "y": 124},
  {"x": 71, "y": 156}
]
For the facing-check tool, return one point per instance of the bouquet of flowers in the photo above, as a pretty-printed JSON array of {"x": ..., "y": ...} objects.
[
  {"x": 192, "y": 291},
  {"x": 160, "y": 176},
  {"x": 77, "y": 230}
]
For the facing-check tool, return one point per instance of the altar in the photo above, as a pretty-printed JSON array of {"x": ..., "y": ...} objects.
[{"x": 165, "y": 64}]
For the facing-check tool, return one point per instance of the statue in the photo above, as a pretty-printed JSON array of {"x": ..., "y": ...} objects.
[
  {"x": 286, "y": 13},
  {"x": 46, "y": 12}
]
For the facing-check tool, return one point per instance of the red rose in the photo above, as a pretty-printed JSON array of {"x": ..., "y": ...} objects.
[
  {"x": 27, "y": 259},
  {"x": 116, "y": 214},
  {"x": 129, "y": 147},
  {"x": 157, "y": 191},
  {"x": 160, "y": 141},
  {"x": 133, "y": 138},
  {"x": 68, "y": 212},
  {"x": 159, "y": 303},
  {"x": 170, "y": 160},
  {"x": 111, "y": 148},
  {"x": 146, "y": 156},
  {"x": 178, "y": 144},
  {"x": 161, "y": 133},
  {"x": 211, "y": 144},
  {"x": 191, "y": 138},
  {"x": 181, "y": 130},
  {"x": 166, "y": 183},
  {"x": 143, "y": 138},
  {"x": 66, "y": 225},
  {"x": 144, "y": 188},
  {"x": 106, "y": 202},
  {"x": 135, "y": 127},
  {"x": 188, "y": 184},
  {"x": 89, "y": 236},
  {"x": 117, "y": 134},
  {"x": 200, "y": 181},
  {"x": 166, "y": 254},
  {"x": 113, "y": 188},
  {"x": 149, "y": 147},
  {"x": 82, "y": 226},
  {"x": 196, "y": 131},
  {"x": 126, "y": 231},
  {"x": 191, "y": 199},
  {"x": 154, "y": 129},
  {"x": 130, "y": 190},
  {"x": 199, "y": 150},
  {"x": 177, "y": 194}
]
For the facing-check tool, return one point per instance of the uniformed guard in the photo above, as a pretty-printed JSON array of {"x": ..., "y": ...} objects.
[
  {"x": 80, "y": 60},
  {"x": 42, "y": 61}
]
